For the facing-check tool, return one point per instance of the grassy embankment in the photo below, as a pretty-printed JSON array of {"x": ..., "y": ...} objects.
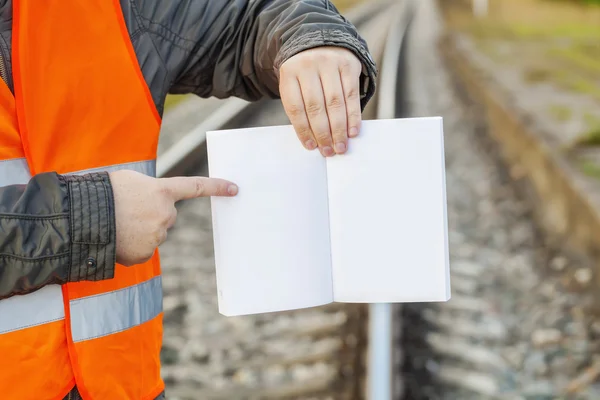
[{"x": 553, "y": 42}]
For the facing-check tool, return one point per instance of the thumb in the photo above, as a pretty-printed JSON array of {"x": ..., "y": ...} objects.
[{"x": 190, "y": 187}]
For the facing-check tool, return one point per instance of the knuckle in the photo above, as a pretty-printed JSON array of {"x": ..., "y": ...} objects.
[
  {"x": 314, "y": 108},
  {"x": 323, "y": 136},
  {"x": 306, "y": 136},
  {"x": 352, "y": 93},
  {"x": 335, "y": 102},
  {"x": 346, "y": 64},
  {"x": 295, "y": 110},
  {"x": 353, "y": 61},
  {"x": 304, "y": 131},
  {"x": 200, "y": 187}
]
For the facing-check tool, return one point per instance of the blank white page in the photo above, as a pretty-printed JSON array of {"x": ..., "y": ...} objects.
[
  {"x": 272, "y": 248},
  {"x": 387, "y": 213}
]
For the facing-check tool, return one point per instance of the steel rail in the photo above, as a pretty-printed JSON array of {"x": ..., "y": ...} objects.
[{"x": 383, "y": 365}]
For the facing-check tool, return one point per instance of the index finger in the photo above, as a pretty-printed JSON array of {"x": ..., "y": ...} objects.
[
  {"x": 190, "y": 187},
  {"x": 350, "y": 84}
]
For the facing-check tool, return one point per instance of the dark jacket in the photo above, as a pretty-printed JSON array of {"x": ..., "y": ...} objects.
[{"x": 207, "y": 47}]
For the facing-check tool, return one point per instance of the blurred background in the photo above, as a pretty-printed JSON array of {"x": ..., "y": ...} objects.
[{"x": 518, "y": 85}]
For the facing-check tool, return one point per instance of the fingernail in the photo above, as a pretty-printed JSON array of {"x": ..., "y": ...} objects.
[
  {"x": 311, "y": 145},
  {"x": 340, "y": 147},
  {"x": 232, "y": 190},
  {"x": 327, "y": 151},
  {"x": 353, "y": 132}
]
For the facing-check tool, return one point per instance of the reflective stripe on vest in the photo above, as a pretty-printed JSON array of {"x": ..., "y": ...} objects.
[
  {"x": 120, "y": 310},
  {"x": 14, "y": 172},
  {"x": 144, "y": 167},
  {"x": 101, "y": 315},
  {"x": 37, "y": 308}
]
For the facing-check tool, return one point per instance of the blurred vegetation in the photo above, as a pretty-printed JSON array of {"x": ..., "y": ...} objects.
[
  {"x": 591, "y": 120},
  {"x": 553, "y": 42},
  {"x": 591, "y": 138},
  {"x": 583, "y": 1},
  {"x": 560, "y": 112},
  {"x": 590, "y": 168},
  {"x": 342, "y": 5}
]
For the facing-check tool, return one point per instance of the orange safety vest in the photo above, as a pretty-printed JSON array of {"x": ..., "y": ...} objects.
[{"x": 81, "y": 104}]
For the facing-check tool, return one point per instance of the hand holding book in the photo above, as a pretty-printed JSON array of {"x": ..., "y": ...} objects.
[{"x": 366, "y": 226}]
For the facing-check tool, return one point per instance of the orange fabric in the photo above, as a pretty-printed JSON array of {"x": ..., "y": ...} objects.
[
  {"x": 108, "y": 354},
  {"x": 42, "y": 348},
  {"x": 41, "y": 353},
  {"x": 74, "y": 52},
  {"x": 80, "y": 102},
  {"x": 10, "y": 140}
]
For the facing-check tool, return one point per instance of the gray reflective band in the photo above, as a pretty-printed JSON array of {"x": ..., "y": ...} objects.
[
  {"x": 14, "y": 172},
  {"x": 147, "y": 167},
  {"x": 113, "y": 312},
  {"x": 40, "y": 307}
]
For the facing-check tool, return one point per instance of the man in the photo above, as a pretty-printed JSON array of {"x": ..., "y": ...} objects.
[{"x": 81, "y": 214}]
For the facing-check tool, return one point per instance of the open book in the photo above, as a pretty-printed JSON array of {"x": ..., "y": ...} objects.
[{"x": 304, "y": 230}]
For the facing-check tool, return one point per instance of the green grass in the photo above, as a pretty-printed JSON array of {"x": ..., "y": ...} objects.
[
  {"x": 590, "y": 2},
  {"x": 572, "y": 81},
  {"x": 590, "y": 138},
  {"x": 561, "y": 31},
  {"x": 537, "y": 74},
  {"x": 520, "y": 31},
  {"x": 590, "y": 169},
  {"x": 560, "y": 112},
  {"x": 565, "y": 78},
  {"x": 550, "y": 41},
  {"x": 581, "y": 56},
  {"x": 592, "y": 120}
]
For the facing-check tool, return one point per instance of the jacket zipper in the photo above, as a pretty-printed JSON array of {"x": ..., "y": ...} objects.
[
  {"x": 5, "y": 70},
  {"x": 3, "y": 73}
]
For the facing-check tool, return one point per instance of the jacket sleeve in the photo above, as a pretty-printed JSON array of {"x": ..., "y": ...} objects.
[
  {"x": 235, "y": 47},
  {"x": 56, "y": 229}
]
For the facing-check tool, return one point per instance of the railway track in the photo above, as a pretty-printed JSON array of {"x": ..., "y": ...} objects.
[
  {"x": 332, "y": 352},
  {"x": 510, "y": 332}
]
